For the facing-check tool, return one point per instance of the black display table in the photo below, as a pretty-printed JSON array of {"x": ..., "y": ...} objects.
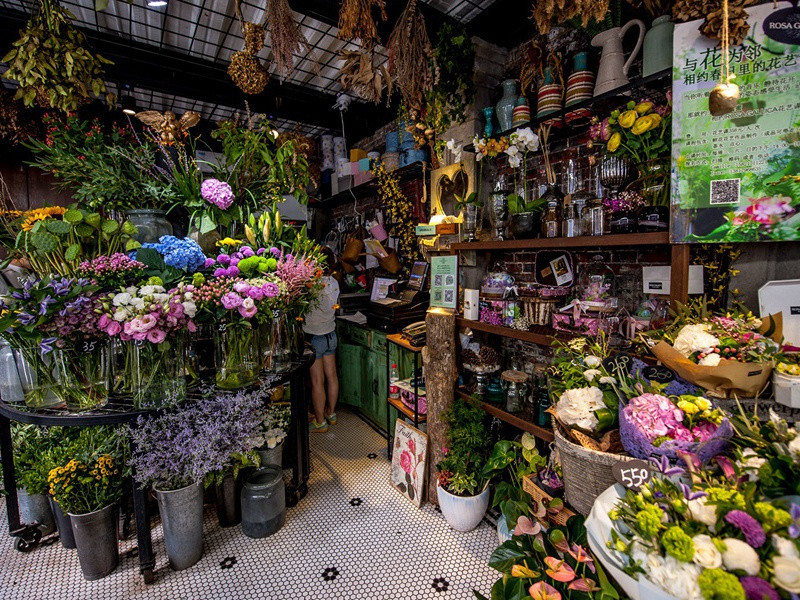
[{"x": 120, "y": 411}]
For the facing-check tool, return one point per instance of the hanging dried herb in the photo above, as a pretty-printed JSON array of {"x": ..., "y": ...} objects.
[
  {"x": 356, "y": 21},
  {"x": 246, "y": 70},
  {"x": 711, "y": 12},
  {"x": 360, "y": 75},
  {"x": 411, "y": 59},
  {"x": 548, "y": 13},
  {"x": 51, "y": 63},
  {"x": 285, "y": 37},
  {"x": 16, "y": 126}
]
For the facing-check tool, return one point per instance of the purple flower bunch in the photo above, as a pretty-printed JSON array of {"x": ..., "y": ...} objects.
[
  {"x": 244, "y": 262},
  {"x": 238, "y": 296},
  {"x": 179, "y": 448},
  {"x": 112, "y": 271},
  {"x": 78, "y": 319},
  {"x": 623, "y": 202},
  {"x": 218, "y": 193}
]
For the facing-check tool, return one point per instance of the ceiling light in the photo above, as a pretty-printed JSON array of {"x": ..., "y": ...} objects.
[{"x": 157, "y": 3}]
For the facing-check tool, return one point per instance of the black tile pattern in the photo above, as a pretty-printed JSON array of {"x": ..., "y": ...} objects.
[
  {"x": 356, "y": 502},
  {"x": 372, "y": 455},
  {"x": 330, "y": 573},
  {"x": 227, "y": 562},
  {"x": 440, "y": 584}
]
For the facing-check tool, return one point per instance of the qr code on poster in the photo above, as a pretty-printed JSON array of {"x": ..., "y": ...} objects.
[{"x": 725, "y": 191}]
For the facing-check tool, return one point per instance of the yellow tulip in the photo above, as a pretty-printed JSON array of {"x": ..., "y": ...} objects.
[
  {"x": 641, "y": 125},
  {"x": 644, "y": 107},
  {"x": 613, "y": 142},
  {"x": 655, "y": 120},
  {"x": 627, "y": 118}
]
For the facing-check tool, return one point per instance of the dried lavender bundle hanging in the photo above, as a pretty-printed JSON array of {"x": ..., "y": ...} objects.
[
  {"x": 285, "y": 37},
  {"x": 411, "y": 57}
]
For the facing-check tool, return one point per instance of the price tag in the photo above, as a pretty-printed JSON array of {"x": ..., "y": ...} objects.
[
  {"x": 619, "y": 362},
  {"x": 659, "y": 374},
  {"x": 88, "y": 345},
  {"x": 632, "y": 474}
]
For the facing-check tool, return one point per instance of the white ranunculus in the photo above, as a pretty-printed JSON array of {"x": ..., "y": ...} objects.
[
  {"x": 786, "y": 573},
  {"x": 705, "y": 552},
  {"x": 147, "y": 290},
  {"x": 121, "y": 299},
  {"x": 591, "y": 374},
  {"x": 693, "y": 338},
  {"x": 709, "y": 360},
  {"x": 682, "y": 579},
  {"x": 785, "y": 547},
  {"x": 702, "y": 512},
  {"x": 576, "y": 407},
  {"x": 591, "y": 360},
  {"x": 794, "y": 447},
  {"x": 190, "y": 309},
  {"x": 740, "y": 555},
  {"x": 608, "y": 380},
  {"x": 751, "y": 463}
]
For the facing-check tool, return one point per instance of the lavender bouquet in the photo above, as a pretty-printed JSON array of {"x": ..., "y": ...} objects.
[{"x": 203, "y": 441}]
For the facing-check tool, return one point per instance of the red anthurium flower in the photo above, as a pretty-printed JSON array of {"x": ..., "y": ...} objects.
[
  {"x": 583, "y": 584},
  {"x": 543, "y": 591},
  {"x": 559, "y": 570},
  {"x": 526, "y": 527}
]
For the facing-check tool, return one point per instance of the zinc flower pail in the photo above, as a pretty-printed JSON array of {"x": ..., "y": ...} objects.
[
  {"x": 96, "y": 540},
  {"x": 182, "y": 519},
  {"x": 463, "y": 513}
]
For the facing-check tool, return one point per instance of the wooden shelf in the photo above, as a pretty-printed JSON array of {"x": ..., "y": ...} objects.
[
  {"x": 594, "y": 241},
  {"x": 408, "y": 412},
  {"x": 514, "y": 420},
  {"x": 399, "y": 340},
  {"x": 611, "y": 99},
  {"x": 541, "y": 334},
  {"x": 369, "y": 188}
]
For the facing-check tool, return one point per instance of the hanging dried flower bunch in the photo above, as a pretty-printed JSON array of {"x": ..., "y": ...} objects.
[
  {"x": 51, "y": 63},
  {"x": 356, "y": 22},
  {"x": 360, "y": 75},
  {"x": 15, "y": 127},
  {"x": 285, "y": 37},
  {"x": 530, "y": 66},
  {"x": 411, "y": 57},
  {"x": 548, "y": 13},
  {"x": 246, "y": 70},
  {"x": 711, "y": 12}
]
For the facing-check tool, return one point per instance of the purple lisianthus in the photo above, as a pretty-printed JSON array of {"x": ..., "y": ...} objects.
[
  {"x": 217, "y": 192},
  {"x": 756, "y": 588},
  {"x": 794, "y": 528},
  {"x": 752, "y": 530},
  {"x": 270, "y": 289}
]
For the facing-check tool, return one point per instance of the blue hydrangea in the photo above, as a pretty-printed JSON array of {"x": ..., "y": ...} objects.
[{"x": 184, "y": 254}]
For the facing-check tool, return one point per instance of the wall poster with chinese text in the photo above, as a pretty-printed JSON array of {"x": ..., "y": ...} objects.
[{"x": 735, "y": 178}]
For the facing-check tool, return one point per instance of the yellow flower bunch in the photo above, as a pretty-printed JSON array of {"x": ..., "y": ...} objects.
[
  {"x": 699, "y": 407},
  {"x": 29, "y": 217},
  {"x": 84, "y": 487},
  {"x": 228, "y": 241},
  {"x": 637, "y": 120}
]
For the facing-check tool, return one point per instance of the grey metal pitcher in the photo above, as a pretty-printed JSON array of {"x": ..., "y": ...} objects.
[
  {"x": 96, "y": 539},
  {"x": 182, "y": 519}
]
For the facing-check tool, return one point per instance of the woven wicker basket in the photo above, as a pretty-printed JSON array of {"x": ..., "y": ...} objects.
[{"x": 587, "y": 473}]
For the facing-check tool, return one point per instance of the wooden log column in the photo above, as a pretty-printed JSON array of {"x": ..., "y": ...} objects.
[{"x": 439, "y": 358}]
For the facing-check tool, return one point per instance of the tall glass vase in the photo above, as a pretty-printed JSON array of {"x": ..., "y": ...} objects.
[
  {"x": 275, "y": 343},
  {"x": 654, "y": 180},
  {"x": 155, "y": 374},
  {"x": 236, "y": 355},
  {"x": 83, "y": 373}
]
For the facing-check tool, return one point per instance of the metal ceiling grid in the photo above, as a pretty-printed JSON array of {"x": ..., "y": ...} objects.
[{"x": 461, "y": 10}]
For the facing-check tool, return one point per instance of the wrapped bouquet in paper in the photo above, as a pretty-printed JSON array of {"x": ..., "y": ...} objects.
[{"x": 727, "y": 355}]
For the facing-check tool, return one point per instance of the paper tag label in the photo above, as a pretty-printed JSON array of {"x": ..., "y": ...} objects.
[{"x": 632, "y": 474}]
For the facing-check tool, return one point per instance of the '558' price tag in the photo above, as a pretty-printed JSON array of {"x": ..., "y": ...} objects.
[{"x": 632, "y": 474}]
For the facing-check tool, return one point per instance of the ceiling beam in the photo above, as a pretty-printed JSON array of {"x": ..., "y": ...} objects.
[{"x": 172, "y": 72}]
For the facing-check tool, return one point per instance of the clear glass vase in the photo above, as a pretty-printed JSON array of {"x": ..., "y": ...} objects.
[
  {"x": 275, "y": 344},
  {"x": 155, "y": 374},
  {"x": 236, "y": 354}
]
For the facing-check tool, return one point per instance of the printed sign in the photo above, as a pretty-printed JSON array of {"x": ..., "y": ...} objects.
[
  {"x": 735, "y": 176},
  {"x": 632, "y": 474},
  {"x": 444, "y": 281},
  {"x": 409, "y": 460}
]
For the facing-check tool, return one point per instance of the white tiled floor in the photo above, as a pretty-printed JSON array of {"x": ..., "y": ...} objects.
[{"x": 353, "y": 537}]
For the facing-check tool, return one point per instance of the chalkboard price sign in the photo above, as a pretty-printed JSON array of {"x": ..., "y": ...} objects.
[
  {"x": 619, "y": 362},
  {"x": 632, "y": 474},
  {"x": 659, "y": 374}
]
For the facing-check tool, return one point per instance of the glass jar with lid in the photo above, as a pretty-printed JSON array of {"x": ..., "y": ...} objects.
[
  {"x": 596, "y": 286},
  {"x": 550, "y": 222},
  {"x": 593, "y": 217}
]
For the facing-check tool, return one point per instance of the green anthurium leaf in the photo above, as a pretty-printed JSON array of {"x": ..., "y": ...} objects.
[
  {"x": 151, "y": 258},
  {"x": 557, "y": 537},
  {"x": 506, "y": 556},
  {"x": 73, "y": 252},
  {"x": 131, "y": 245}
]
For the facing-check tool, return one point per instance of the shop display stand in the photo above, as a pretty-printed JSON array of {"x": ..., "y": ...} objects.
[
  {"x": 514, "y": 420},
  {"x": 369, "y": 188},
  {"x": 119, "y": 410},
  {"x": 399, "y": 340}
]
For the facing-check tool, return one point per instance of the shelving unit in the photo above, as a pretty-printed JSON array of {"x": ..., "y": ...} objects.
[
  {"x": 595, "y": 241},
  {"x": 399, "y": 341},
  {"x": 612, "y": 98},
  {"x": 512, "y": 419},
  {"x": 368, "y": 188},
  {"x": 540, "y": 334}
]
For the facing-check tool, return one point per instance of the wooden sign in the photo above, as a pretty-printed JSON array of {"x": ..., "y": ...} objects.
[{"x": 409, "y": 461}]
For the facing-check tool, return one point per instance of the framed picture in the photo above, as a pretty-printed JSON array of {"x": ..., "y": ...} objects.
[{"x": 409, "y": 461}]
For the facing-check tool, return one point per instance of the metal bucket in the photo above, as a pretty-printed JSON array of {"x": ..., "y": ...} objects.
[
  {"x": 96, "y": 539},
  {"x": 263, "y": 502},
  {"x": 64, "y": 525},
  {"x": 182, "y": 518},
  {"x": 271, "y": 456},
  {"x": 229, "y": 512},
  {"x": 35, "y": 509}
]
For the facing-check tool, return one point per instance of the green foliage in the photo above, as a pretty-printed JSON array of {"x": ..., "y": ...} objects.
[
  {"x": 51, "y": 63},
  {"x": 517, "y": 204},
  {"x": 461, "y": 471},
  {"x": 35, "y": 453}
]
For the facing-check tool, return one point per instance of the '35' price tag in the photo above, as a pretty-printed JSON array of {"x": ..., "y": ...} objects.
[{"x": 632, "y": 474}]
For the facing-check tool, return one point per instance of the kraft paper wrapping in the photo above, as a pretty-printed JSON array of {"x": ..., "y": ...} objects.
[{"x": 730, "y": 377}]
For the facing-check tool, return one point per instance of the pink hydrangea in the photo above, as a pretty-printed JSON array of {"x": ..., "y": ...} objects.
[
  {"x": 217, "y": 192},
  {"x": 655, "y": 416},
  {"x": 703, "y": 431}
]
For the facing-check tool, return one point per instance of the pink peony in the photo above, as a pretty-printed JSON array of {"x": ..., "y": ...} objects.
[
  {"x": 256, "y": 293},
  {"x": 270, "y": 289},
  {"x": 241, "y": 287},
  {"x": 248, "y": 308},
  {"x": 405, "y": 461},
  {"x": 231, "y": 301}
]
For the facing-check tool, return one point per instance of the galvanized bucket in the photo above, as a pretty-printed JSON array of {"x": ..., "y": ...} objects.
[
  {"x": 182, "y": 519},
  {"x": 64, "y": 525},
  {"x": 34, "y": 508},
  {"x": 263, "y": 502},
  {"x": 271, "y": 456},
  {"x": 96, "y": 539}
]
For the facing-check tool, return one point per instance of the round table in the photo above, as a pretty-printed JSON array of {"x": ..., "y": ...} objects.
[{"x": 119, "y": 410}]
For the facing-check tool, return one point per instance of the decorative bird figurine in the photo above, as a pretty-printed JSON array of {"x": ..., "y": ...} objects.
[{"x": 168, "y": 125}]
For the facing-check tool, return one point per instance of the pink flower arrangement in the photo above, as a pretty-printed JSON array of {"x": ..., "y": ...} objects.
[
  {"x": 769, "y": 210},
  {"x": 655, "y": 416},
  {"x": 217, "y": 192},
  {"x": 111, "y": 271}
]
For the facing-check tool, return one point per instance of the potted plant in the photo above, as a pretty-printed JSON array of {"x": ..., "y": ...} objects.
[
  {"x": 462, "y": 488},
  {"x": 88, "y": 488},
  {"x": 274, "y": 428},
  {"x": 30, "y": 444},
  {"x": 510, "y": 462},
  {"x": 526, "y": 216}
]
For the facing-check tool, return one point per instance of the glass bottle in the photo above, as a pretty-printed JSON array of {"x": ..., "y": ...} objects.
[
  {"x": 550, "y": 222},
  {"x": 570, "y": 222}
]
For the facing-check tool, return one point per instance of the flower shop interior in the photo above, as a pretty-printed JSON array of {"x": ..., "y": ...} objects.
[{"x": 400, "y": 299}]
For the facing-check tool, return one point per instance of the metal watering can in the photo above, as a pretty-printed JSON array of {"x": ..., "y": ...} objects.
[{"x": 613, "y": 70}]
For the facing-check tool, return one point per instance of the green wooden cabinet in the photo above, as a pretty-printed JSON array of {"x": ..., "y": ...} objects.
[{"x": 350, "y": 360}]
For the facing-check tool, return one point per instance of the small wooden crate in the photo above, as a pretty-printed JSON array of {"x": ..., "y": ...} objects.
[{"x": 543, "y": 497}]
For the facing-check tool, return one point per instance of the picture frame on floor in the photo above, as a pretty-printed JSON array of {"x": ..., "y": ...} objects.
[{"x": 409, "y": 462}]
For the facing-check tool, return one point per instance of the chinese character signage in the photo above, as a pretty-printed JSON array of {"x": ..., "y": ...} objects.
[{"x": 736, "y": 178}]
